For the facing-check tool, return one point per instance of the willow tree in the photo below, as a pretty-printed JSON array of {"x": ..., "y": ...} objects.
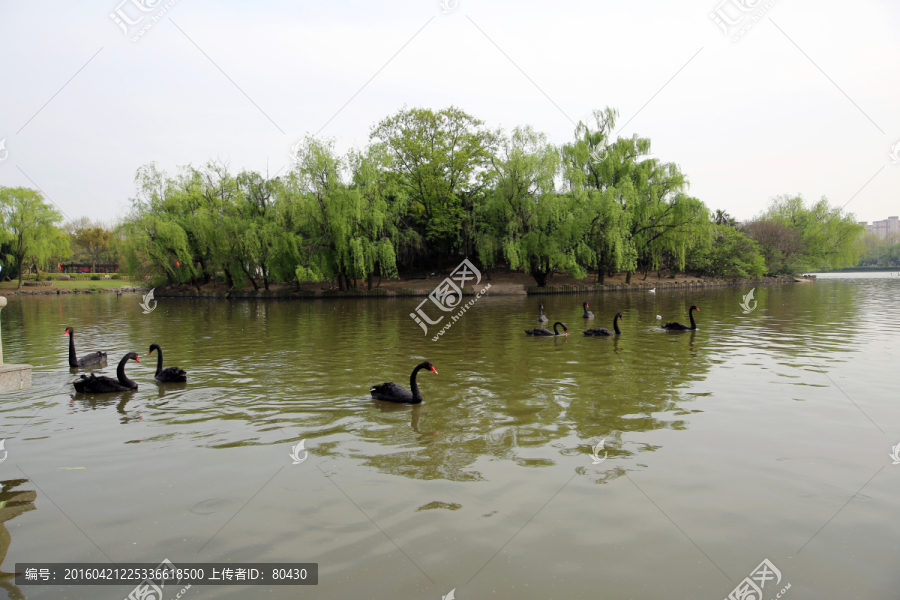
[
  {"x": 596, "y": 174},
  {"x": 524, "y": 218},
  {"x": 829, "y": 237},
  {"x": 29, "y": 226},
  {"x": 215, "y": 226},
  {"x": 441, "y": 158},
  {"x": 665, "y": 222},
  {"x": 160, "y": 238},
  {"x": 349, "y": 227},
  {"x": 383, "y": 205},
  {"x": 256, "y": 214}
]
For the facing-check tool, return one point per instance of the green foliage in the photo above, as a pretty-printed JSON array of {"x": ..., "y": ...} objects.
[
  {"x": 793, "y": 237},
  {"x": 597, "y": 179},
  {"x": 347, "y": 210},
  {"x": 28, "y": 226},
  {"x": 657, "y": 223},
  {"x": 433, "y": 186},
  {"x": 880, "y": 252},
  {"x": 730, "y": 254},
  {"x": 91, "y": 241},
  {"x": 95, "y": 278},
  {"x": 440, "y": 160},
  {"x": 524, "y": 219}
]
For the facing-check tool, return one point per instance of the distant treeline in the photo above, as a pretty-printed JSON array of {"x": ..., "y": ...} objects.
[
  {"x": 434, "y": 186},
  {"x": 880, "y": 252}
]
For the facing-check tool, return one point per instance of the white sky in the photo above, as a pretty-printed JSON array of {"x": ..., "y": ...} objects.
[{"x": 745, "y": 120}]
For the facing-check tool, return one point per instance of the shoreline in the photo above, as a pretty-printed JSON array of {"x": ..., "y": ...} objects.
[
  {"x": 59, "y": 291},
  {"x": 495, "y": 289}
]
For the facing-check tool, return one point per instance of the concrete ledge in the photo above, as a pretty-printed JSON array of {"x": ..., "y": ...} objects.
[{"x": 15, "y": 377}]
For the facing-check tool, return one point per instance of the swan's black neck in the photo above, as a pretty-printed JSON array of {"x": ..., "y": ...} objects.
[
  {"x": 158, "y": 360},
  {"x": 585, "y": 310},
  {"x": 555, "y": 325},
  {"x": 616, "y": 325},
  {"x": 120, "y": 374},
  {"x": 693, "y": 323},
  {"x": 73, "y": 360},
  {"x": 413, "y": 386}
]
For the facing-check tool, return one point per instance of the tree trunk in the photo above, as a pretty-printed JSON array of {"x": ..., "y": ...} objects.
[
  {"x": 250, "y": 277},
  {"x": 340, "y": 278},
  {"x": 541, "y": 276},
  {"x": 371, "y": 279},
  {"x": 229, "y": 280},
  {"x": 203, "y": 269},
  {"x": 628, "y": 276},
  {"x": 601, "y": 275},
  {"x": 20, "y": 272}
]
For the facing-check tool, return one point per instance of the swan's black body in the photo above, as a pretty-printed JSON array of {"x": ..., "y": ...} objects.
[
  {"x": 392, "y": 392},
  {"x": 674, "y": 326},
  {"x": 543, "y": 331},
  {"x": 587, "y": 314},
  {"x": 88, "y": 360},
  {"x": 104, "y": 385},
  {"x": 542, "y": 317},
  {"x": 604, "y": 331},
  {"x": 169, "y": 374}
]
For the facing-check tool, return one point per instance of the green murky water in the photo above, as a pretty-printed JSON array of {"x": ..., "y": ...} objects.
[{"x": 759, "y": 436}]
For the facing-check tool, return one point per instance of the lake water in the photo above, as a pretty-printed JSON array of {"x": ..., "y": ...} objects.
[{"x": 758, "y": 436}]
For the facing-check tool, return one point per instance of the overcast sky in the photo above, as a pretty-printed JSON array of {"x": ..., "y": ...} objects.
[{"x": 805, "y": 101}]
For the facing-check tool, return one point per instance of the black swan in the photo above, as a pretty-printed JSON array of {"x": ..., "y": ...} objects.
[
  {"x": 542, "y": 317},
  {"x": 105, "y": 385},
  {"x": 391, "y": 392},
  {"x": 94, "y": 358},
  {"x": 674, "y": 326},
  {"x": 604, "y": 331},
  {"x": 587, "y": 314},
  {"x": 169, "y": 374},
  {"x": 543, "y": 331}
]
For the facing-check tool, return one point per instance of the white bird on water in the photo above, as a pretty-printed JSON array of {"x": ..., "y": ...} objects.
[
  {"x": 653, "y": 291},
  {"x": 659, "y": 317}
]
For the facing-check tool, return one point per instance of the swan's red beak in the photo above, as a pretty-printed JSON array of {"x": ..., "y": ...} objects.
[
  {"x": 66, "y": 332},
  {"x": 137, "y": 358},
  {"x": 698, "y": 310},
  {"x": 433, "y": 370}
]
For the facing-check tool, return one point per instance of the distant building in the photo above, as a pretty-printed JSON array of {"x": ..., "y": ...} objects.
[{"x": 883, "y": 228}]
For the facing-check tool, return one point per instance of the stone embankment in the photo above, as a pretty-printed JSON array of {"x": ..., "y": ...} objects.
[
  {"x": 119, "y": 290},
  {"x": 502, "y": 290},
  {"x": 661, "y": 286}
]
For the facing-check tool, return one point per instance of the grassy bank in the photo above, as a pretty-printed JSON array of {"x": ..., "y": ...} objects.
[
  {"x": 96, "y": 286},
  {"x": 863, "y": 269}
]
